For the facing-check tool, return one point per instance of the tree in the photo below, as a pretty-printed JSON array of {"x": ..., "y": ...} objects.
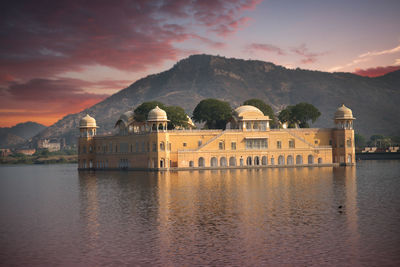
[
  {"x": 304, "y": 112},
  {"x": 359, "y": 140},
  {"x": 299, "y": 114},
  {"x": 265, "y": 108},
  {"x": 143, "y": 109},
  {"x": 286, "y": 116},
  {"x": 177, "y": 117},
  {"x": 215, "y": 113}
]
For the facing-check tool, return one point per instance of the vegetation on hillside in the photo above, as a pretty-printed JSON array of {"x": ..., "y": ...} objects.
[{"x": 42, "y": 156}]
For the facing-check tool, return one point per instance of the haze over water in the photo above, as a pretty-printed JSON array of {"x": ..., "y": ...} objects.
[{"x": 53, "y": 215}]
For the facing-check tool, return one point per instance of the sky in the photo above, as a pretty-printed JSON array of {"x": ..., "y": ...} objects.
[{"x": 60, "y": 57}]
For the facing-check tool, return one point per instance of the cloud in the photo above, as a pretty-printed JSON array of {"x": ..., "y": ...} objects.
[
  {"x": 375, "y": 72},
  {"x": 264, "y": 48},
  {"x": 307, "y": 56},
  {"x": 383, "y": 52},
  {"x": 42, "y": 38},
  {"x": 47, "y": 98},
  {"x": 368, "y": 56}
]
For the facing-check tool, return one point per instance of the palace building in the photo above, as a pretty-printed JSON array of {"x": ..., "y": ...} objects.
[{"x": 248, "y": 142}]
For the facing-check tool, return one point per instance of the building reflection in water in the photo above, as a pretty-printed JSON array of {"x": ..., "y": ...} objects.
[
  {"x": 89, "y": 207},
  {"x": 250, "y": 217},
  {"x": 256, "y": 216}
]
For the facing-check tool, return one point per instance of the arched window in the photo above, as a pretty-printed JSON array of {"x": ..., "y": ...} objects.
[
  {"x": 249, "y": 161},
  {"x": 160, "y": 127},
  {"x": 299, "y": 159},
  {"x": 349, "y": 158},
  {"x": 310, "y": 159},
  {"x": 223, "y": 162},
  {"x": 281, "y": 160},
  {"x": 201, "y": 162},
  {"x": 232, "y": 161},
  {"x": 154, "y": 127},
  {"x": 214, "y": 162},
  {"x": 289, "y": 160},
  {"x": 256, "y": 160},
  {"x": 264, "y": 160},
  {"x": 162, "y": 146}
]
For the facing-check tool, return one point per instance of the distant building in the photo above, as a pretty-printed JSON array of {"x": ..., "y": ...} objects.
[
  {"x": 249, "y": 143},
  {"x": 28, "y": 152},
  {"x": 51, "y": 145},
  {"x": 4, "y": 152}
]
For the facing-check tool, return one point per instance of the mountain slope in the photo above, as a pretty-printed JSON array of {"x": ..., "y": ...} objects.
[
  {"x": 11, "y": 136},
  {"x": 374, "y": 101}
]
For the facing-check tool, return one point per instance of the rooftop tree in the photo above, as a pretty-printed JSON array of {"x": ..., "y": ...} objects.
[
  {"x": 213, "y": 112},
  {"x": 299, "y": 114}
]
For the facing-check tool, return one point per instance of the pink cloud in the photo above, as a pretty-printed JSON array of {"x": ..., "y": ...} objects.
[
  {"x": 308, "y": 57},
  {"x": 375, "y": 72},
  {"x": 43, "y": 39},
  {"x": 265, "y": 48}
]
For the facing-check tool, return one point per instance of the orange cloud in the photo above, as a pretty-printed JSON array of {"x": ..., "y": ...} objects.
[{"x": 376, "y": 72}]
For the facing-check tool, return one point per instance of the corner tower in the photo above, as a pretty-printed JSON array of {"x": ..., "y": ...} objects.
[
  {"x": 86, "y": 155},
  {"x": 343, "y": 137}
]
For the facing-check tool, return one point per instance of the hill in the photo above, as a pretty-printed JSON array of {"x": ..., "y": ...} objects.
[
  {"x": 374, "y": 101},
  {"x": 12, "y": 136}
]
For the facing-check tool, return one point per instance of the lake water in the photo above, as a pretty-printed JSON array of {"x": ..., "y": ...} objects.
[{"x": 53, "y": 215}]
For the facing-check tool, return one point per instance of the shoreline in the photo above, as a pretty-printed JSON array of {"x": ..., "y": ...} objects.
[{"x": 39, "y": 160}]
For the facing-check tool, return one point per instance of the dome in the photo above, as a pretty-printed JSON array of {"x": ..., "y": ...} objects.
[
  {"x": 87, "y": 122},
  {"x": 343, "y": 112},
  {"x": 247, "y": 109},
  {"x": 126, "y": 117},
  {"x": 157, "y": 114}
]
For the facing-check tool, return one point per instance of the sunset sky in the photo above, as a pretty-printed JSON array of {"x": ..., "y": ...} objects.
[{"x": 60, "y": 57}]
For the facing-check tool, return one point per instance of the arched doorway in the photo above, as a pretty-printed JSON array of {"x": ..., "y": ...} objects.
[
  {"x": 264, "y": 160},
  {"x": 289, "y": 160},
  {"x": 222, "y": 162},
  {"x": 214, "y": 162},
  {"x": 299, "y": 159},
  {"x": 232, "y": 161},
  {"x": 281, "y": 160},
  {"x": 191, "y": 163},
  {"x": 201, "y": 162},
  {"x": 256, "y": 160},
  {"x": 249, "y": 161},
  {"x": 162, "y": 163},
  {"x": 310, "y": 159},
  {"x": 319, "y": 160}
]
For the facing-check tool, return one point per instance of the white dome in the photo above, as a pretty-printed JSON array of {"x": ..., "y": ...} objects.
[
  {"x": 157, "y": 114},
  {"x": 343, "y": 112},
  {"x": 87, "y": 122},
  {"x": 247, "y": 109}
]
